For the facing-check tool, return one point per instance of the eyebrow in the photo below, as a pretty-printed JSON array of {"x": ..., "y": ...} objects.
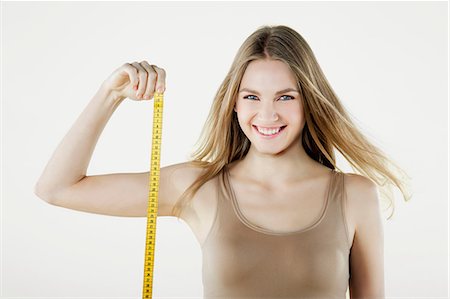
[{"x": 278, "y": 92}]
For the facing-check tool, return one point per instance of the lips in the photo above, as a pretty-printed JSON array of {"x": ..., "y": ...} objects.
[
  {"x": 268, "y": 135},
  {"x": 268, "y": 128}
]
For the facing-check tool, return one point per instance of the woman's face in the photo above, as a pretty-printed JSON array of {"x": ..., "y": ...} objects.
[{"x": 268, "y": 100}]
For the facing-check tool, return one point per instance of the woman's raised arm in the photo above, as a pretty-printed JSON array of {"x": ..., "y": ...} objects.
[{"x": 64, "y": 181}]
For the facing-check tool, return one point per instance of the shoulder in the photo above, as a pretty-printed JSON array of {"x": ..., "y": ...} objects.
[
  {"x": 202, "y": 205},
  {"x": 175, "y": 179},
  {"x": 357, "y": 184},
  {"x": 182, "y": 175},
  {"x": 362, "y": 197}
]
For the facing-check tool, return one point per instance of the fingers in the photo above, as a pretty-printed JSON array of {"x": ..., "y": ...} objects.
[
  {"x": 161, "y": 83},
  {"x": 142, "y": 76},
  {"x": 132, "y": 74},
  {"x": 150, "y": 78}
]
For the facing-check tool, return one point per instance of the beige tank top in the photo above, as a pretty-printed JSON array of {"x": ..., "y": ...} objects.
[{"x": 243, "y": 260}]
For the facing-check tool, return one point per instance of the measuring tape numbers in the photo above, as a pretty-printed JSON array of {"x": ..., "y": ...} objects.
[{"x": 152, "y": 209}]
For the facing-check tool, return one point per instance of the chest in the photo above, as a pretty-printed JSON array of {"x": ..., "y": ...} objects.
[
  {"x": 273, "y": 266},
  {"x": 239, "y": 259},
  {"x": 281, "y": 210}
]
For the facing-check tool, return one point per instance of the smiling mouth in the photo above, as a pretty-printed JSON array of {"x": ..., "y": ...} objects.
[{"x": 268, "y": 132}]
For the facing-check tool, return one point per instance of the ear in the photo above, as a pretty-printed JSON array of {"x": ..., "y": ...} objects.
[{"x": 234, "y": 108}]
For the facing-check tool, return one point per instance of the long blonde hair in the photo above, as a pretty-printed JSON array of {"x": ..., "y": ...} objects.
[{"x": 327, "y": 126}]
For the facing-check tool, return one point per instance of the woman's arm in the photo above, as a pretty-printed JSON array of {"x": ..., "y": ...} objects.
[
  {"x": 64, "y": 181},
  {"x": 70, "y": 160},
  {"x": 367, "y": 253}
]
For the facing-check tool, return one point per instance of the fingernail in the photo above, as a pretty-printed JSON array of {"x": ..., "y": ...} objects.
[{"x": 160, "y": 90}]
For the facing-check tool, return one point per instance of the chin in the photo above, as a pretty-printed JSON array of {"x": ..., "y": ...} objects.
[{"x": 267, "y": 150}]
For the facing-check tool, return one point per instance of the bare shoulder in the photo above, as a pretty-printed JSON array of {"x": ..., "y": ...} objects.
[
  {"x": 182, "y": 175},
  {"x": 174, "y": 180},
  {"x": 360, "y": 189},
  {"x": 200, "y": 211},
  {"x": 362, "y": 197}
]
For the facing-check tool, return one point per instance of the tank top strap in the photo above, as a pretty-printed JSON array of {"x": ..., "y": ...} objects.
[
  {"x": 224, "y": 195},
  {"x": 337, "y": 211},
  {"x": 336, "y": 188}
]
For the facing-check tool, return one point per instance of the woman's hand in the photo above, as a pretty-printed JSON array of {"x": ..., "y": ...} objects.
[{"x": 137, "y": 81}]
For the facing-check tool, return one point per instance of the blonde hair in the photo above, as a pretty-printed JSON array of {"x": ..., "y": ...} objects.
[{"x": 327, "y": 126}]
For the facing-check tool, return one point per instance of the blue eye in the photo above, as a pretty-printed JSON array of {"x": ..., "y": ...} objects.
[
  {"x": 246, "y": 97},
  {"x": 288, "y": 97}
]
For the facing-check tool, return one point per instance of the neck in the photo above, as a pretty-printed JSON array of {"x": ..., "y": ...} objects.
[{"x": 291, "y": 164}]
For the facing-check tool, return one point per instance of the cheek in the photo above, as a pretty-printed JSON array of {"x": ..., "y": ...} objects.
[
  {"x": 244, "y": 116},
  {"x": 293, "y": 112},
  {"x": 243, "y": 111}
]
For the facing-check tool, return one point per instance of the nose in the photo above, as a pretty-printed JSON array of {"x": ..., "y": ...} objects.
[{"x": 267, "y": 114}]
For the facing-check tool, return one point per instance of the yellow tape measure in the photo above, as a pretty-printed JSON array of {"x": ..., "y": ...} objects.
[{"x": 152, "y": 209}]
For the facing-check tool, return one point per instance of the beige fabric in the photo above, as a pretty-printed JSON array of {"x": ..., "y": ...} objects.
[{"x": 242, "y": 260}]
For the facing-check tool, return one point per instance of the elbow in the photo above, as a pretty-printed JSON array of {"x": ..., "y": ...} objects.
[
  {"x": 42, "y": 193},
  {"x": 367, "y": 294},
  {"x": 366, "y": 290}
]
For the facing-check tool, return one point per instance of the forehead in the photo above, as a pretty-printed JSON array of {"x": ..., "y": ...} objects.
[{"x": 271, "y": 74}]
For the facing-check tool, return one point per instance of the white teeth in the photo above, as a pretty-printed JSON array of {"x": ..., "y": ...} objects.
[{"x": 268, "y": 131}]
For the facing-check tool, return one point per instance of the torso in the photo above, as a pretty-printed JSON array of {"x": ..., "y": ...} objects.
[{"x": 257, "y": 201}]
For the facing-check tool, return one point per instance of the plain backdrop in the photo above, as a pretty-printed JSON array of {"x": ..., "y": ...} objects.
[{"x": 387, "y": 61}]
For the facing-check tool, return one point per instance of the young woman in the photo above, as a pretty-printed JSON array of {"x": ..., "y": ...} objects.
[{"x": 274, "y": 215}]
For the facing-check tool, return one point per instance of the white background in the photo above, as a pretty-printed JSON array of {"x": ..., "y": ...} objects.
[{"x": 387, "y": 62}]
